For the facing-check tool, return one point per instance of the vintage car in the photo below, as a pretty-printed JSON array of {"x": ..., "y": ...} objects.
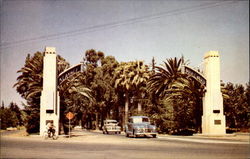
[
  {"x": 111, "y": 126},
  {"x": 140, "y": 126}
]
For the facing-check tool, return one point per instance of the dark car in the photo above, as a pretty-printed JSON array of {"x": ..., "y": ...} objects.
[{"x": 140, "y": 126}]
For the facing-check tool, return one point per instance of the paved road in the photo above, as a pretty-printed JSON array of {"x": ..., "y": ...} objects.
[{"x": 96, "y": 145}]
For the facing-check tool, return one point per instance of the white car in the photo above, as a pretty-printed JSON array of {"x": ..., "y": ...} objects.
[{"x": 111, "y": 126}]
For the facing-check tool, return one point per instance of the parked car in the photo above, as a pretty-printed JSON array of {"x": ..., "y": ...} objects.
[
  {"x": 140, "y": 126},
  {"x": 111, "y": 126}
]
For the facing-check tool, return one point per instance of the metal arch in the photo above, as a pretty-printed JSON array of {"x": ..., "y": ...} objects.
[
  {"x": 65, "y": 74},
  {"x": 195, "y": 74}
]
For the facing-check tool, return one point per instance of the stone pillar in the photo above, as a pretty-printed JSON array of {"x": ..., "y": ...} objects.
[
  {"x": 49, "y": 102},
  {"x": 213, "y": 119}
]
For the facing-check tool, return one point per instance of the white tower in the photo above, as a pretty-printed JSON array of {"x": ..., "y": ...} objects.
[
  {"x": 49, "y": 104},
  {"x": 213, "y": 119}
]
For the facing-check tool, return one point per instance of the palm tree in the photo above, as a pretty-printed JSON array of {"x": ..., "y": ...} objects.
[
  {"x": 141, "y": 75},
  {"x": 131, "y": 77},
  {"x": 29, "y": 83},
  {"x": 187, "y": 93},
  {"x": 168, "y": 84},
  {"x": 159, "y": 82},
  {"x": 122, "y": 78}
]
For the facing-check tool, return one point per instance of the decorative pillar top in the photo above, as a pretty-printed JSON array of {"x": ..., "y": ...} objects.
[
  {"x": 50, "y": 50},
  {"x": 211, "y": 54}
]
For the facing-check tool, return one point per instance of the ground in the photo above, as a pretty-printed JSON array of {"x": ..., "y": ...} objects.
[{"x": 94, "y": 144}]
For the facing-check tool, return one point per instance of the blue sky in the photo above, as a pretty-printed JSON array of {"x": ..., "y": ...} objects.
[{"x": 126, "y": 29}]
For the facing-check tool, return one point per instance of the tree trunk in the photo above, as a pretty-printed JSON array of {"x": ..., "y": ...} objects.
[
  {"x": 108, "y": 115},
  {"x": 83, "y": 120},
  {"x": 126, "y": 109},
  {"x": 89, "y": 121},
  {"x": 96, "y": 121},
  {"x": 102, "y": 119},
  {"x": 139, "y": 108}
]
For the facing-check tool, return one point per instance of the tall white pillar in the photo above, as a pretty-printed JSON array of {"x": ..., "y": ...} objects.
[
  {"x": 49, "y": 102},
  {"x": 213, "y": 119}
]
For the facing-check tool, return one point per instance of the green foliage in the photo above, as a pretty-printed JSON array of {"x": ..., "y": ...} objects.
[
  {"x": 236, "y": 106},
  {"x": 129, "y": 75},
  {"x": 9, "y": 116},
  {"x": 76, "y": 95},
  {"x": 130, "y": 80},
  {"x": 13, "y": 107},
  {"x": 164, "y": 76},
  {"x": 163, "y": 116},
  {"x": 102, "y": 86},
  {"x": 90, "y": 94},
  {"x": 32, "y": 122},
  {"x": 29, "y": 83},
  {"x": 175, "y": 95}
]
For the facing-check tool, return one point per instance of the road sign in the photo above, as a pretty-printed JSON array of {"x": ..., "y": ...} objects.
[{"x": 70, "y": 115}]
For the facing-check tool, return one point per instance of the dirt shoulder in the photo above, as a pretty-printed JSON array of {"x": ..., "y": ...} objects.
[{"x": 14, "y": 133}]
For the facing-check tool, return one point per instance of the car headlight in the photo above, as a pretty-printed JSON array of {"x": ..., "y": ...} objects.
[
  {"x": 154, "y": 128},
  {"x": 139, "y": 129}
]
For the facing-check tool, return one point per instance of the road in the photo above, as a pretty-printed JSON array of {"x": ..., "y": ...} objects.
[{"x": 95, "y": 145}]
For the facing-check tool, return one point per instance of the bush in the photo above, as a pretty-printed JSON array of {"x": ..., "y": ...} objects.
[
  {"x": 184, "y": 132},
  {"x": 32, "y": 123},
  {"x": 8, "y": 118}
]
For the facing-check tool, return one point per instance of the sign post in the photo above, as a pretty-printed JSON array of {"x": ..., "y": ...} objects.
[{"x": 70, "y": 116}]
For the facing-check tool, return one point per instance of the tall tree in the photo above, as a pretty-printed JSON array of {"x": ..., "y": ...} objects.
[
  {"x": 92, "y": 62},
  {"x": 236, "y": 106},
  {"x": 186, "y": 95},
  {"x": 141, "y": 75},
  {"x": 170, "y": 88},
  {"x": 130, "y": 77},
  {"x": 103, "y": 86}
]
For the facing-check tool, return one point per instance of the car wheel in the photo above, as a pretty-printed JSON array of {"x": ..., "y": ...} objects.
[
  {"x": 154, "y": 136},
  {"x": 107, "y": 132}
]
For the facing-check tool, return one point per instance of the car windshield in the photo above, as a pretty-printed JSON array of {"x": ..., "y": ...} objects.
[
  {"x": 140, "y": 120},
  {"x": 111, "y": 122}
]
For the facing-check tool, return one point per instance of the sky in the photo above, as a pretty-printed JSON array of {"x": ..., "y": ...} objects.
[{"x": 126, "y": 29}]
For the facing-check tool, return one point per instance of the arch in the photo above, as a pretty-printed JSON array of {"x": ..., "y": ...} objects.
[
  {"x": 65, "y": 74},
  {"x": 195, "y": 74}
]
